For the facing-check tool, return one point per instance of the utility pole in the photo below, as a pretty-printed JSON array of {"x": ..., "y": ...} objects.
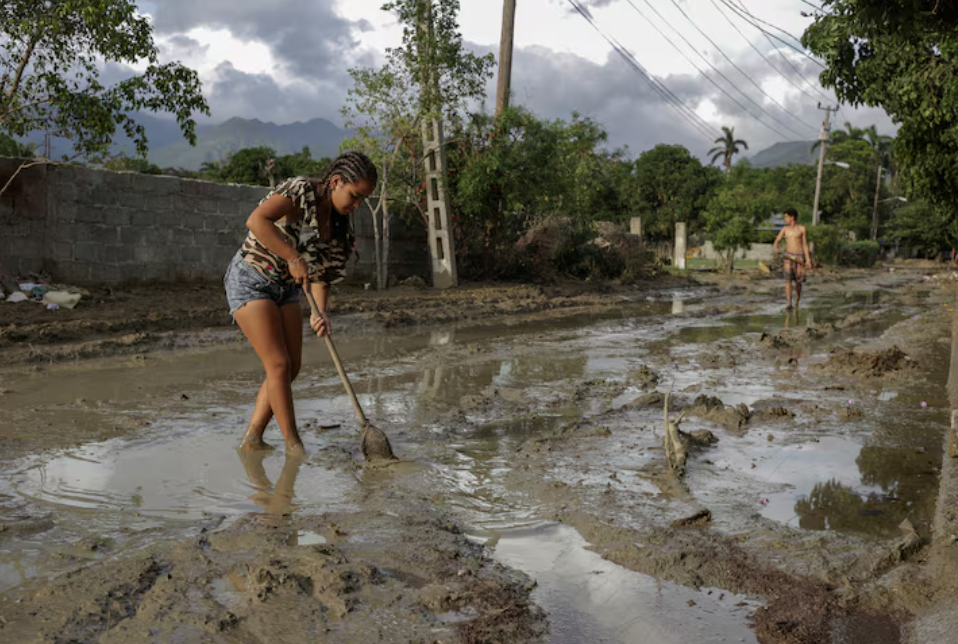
[
  {"x": 505, "y": 56},
  {"x": 874, "y": 231},
  {"x": 823, "y": 137}
]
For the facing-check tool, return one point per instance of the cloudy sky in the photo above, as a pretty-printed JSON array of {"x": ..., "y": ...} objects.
[{"x": 286, "y": 60}]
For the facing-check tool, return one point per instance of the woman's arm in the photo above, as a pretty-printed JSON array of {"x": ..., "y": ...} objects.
[{"x": 262, "y": 224}]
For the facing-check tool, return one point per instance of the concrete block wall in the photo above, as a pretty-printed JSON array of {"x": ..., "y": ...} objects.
[
  {"x": 757, "y": 252},
  {"x": 98, "y": 227}
]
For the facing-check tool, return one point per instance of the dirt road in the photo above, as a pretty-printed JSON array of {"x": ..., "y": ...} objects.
[{"x": 532, "y": 502}]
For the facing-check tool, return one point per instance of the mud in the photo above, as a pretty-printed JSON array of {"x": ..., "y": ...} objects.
[{"x": 532, "y": 501}]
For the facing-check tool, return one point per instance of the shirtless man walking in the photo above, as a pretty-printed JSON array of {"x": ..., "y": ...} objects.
[{"x": 797, "y": 257}]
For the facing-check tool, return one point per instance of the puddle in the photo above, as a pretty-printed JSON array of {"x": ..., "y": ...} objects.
[
  {"x": 589, "y": 599},
  {"x": 184, "y": 476}
]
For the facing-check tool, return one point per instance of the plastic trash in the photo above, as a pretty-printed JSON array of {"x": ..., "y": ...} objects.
[
  {"x": 26, "y": 287},
  {"x": 62, "y": 298},
  {"x": 17, "y": 296},
  {"x": 923, "y": 404},
  {"x": 53, "y": 307},
  {"x": 764, "y": 501}
]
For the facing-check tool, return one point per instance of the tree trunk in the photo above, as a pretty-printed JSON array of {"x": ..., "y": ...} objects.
[
  {"x": 731, "y": 262},
  {"x": 377, "y": 234},
  {"x": 384, "y": 266}
]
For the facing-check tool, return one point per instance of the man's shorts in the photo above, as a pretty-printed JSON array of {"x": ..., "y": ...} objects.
[
  {"x": 794, "y": 267},
  {"x": 245, "y": 284}
]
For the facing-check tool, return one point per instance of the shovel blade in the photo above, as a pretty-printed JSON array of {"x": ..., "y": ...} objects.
[{"x": 375, "y": 445}]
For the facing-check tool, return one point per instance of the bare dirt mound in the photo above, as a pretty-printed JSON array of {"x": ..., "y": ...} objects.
[
  {"x": 868, "y": 364},
  {"x": 253, "y": 582}
]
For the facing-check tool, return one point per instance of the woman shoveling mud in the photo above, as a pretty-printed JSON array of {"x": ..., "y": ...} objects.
[{"x": 279, "y": 257}]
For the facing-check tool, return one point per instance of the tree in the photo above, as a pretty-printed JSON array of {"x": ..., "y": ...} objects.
[
  {"x": 672, "y": 186},
  {"x": 901, "y": 55},
  {"x": 733, "y": 213},
  {"x": 728, "y": 147},
  {"x": 10, "y": 147},
  {"x": 254, "y": 167},
  {"x": 431, "y": 75},
  {"x": 124, "y": 163},
  {"x": 847, "y": 192},
  {"x": 922, "y": 227},
  {"x": 51, "y": 56},
  {"x": 839, "y": 136}
]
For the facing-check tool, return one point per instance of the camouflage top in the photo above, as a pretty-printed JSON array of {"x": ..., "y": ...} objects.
[{"x": 324, "y": 244}]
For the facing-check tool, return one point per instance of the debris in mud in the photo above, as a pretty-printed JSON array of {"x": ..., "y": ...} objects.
[
  {"x": 644, "y": 378},
  {"x": 884, "y": 558},
  {"x": 711, "y": 408},
  {"x": 868, "y": 364},
  {"x": 702, "y": 517},
  {"x": 651, "y": 399},
  {"x": 850, "y": 414},
  {"x": 676, "y": 442},
  {"x": 415, "y": 282}
]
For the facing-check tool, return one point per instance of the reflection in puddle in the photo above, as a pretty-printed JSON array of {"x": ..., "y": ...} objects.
[
  {"x": 190, "y": 476},
  {"x": 589, "y": 599}
]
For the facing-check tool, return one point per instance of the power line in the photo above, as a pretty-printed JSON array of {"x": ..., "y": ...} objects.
[
  {"x": 778, "y": 50},
  {"x": 749, "y": 17},
  {"x": 739, "y": 69},
  {"x": 674, "y": 101},
  {"x": 709, "y": 78},
  {"x": 770, "y": 63}
]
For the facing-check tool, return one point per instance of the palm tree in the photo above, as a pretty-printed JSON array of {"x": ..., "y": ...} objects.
[
  {"x": 850, "y": 132},
  {"x": 727, "y": 147}
]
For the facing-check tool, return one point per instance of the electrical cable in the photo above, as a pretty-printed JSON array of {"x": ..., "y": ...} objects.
[
  {"x": 739, "y": 69},
  {"x": 770, "y": 63},
  {"x": 712, "y": 80},
  {"x": 686, "y": 112},
  {"x": 748, "y": 17},
  {"x": 781, "y": 53}
]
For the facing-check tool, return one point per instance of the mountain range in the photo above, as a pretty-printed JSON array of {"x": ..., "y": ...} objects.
[
  {"x": 785, "y": 153},
  {"x": 214, "y": 142},
  {"x": 168, "y": 148}
]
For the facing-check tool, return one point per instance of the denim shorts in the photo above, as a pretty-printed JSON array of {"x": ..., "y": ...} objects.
[{"x": 244, "y": 284}]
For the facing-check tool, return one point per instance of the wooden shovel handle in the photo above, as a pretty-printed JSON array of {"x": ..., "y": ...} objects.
[{"x": 336, "y": 361}]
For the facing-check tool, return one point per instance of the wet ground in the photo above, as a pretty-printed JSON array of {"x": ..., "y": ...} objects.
[{"x": 532, "y": 502}]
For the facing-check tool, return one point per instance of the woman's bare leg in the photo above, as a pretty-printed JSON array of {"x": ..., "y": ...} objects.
[
  {"x": 292, "y": 322},
  {"x": 264, "y": 325}
]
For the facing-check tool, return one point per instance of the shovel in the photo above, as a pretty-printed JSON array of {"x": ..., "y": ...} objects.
[{"x": 374, "y": 442}]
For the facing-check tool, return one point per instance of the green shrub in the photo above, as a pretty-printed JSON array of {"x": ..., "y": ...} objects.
[
  {"x": 862, "y": 254},
  {"x": 827, "y": 240}
]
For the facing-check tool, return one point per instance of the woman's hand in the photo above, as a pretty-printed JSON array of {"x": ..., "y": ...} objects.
[
  {"x": 320, "y": 324},
  {"x": 298, "y": 270}
]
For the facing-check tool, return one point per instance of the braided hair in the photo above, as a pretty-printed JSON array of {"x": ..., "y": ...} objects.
[{"x": 351, "y": 167}]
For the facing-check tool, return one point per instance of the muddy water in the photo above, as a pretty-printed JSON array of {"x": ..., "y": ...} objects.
[{"x": 458, "y": 404}]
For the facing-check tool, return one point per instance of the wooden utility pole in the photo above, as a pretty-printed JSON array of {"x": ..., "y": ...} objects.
[
  {"x": 438, "y": 204},
  {"x": 505, "y": 56},
  {"x": 823, "y": 137},
  {"x": 881, "y": 169}
]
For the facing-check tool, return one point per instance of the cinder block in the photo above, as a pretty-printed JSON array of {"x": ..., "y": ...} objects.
[
  {"x": 142, "y": 219},
  {"x": 147, "y": 254},
  {"x": 88, "y": 252},
  {"x": 117, "y": 254},
  {"x": 192, "y": 255},
  {"x": 181, "y": 236},
  {"x": 205, "y": 238},
  {"x": 117, "y": 217},
  {"x": 103, "y": 196},
  {"x": 62, "y": 251},
  {"x": 131, "y": 199}
]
